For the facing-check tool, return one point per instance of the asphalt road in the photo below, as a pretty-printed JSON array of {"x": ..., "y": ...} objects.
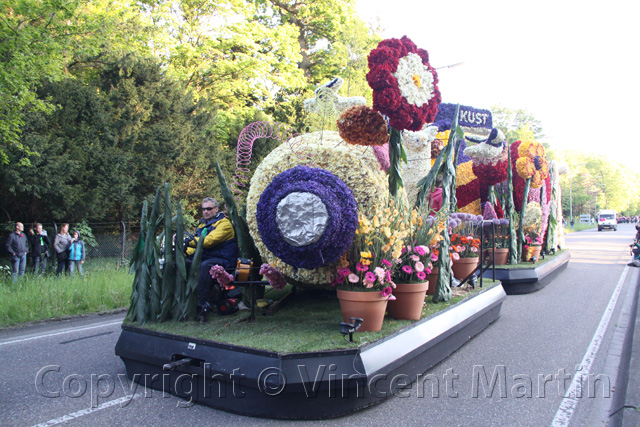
[{"x": 66, "y": 372}]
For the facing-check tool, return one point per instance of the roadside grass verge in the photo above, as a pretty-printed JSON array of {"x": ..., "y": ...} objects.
[
  {"x": 33, "y": 298},
  {"x": 579, "y": 227}
]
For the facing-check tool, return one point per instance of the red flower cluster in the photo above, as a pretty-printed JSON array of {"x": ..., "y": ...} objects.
[
  {"x": 465, "y": 246},
  {"x": 387, "y": 98},
  {"x": 362, "y": 125},
  {"x": 518, "y": 182}
]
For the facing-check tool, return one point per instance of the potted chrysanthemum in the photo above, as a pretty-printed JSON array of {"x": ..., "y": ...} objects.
[
  {"x": 465, "y": 245},
  {"x": 363, "y": 275}
]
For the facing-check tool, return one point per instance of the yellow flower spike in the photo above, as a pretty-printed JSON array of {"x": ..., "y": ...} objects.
[
  {"x": 376, "y": 222},
  {"x": 387, "y": 232}
]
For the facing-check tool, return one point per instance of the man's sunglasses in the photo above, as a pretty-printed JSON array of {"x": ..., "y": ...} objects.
[{"x": 208, "y": 209}]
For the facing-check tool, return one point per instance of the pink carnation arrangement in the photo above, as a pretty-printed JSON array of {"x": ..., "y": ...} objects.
[
  {"x": 220, "y": 274},
  {"x": 274, "y": 276}
]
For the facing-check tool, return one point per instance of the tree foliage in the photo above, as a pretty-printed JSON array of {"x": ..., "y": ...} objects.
[
  {"x": 516, "y": 124},
  {"x": 102, "y": 100}
]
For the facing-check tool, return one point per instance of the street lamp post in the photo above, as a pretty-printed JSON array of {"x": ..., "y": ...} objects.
[{"x": 570, "y": 199}]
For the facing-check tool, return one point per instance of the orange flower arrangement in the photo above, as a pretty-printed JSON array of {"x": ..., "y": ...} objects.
[
  {"x": 361, "y": 125},
  {"x": 531, "y": 163}
]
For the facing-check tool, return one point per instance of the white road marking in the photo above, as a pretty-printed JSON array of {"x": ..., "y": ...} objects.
[
  {"x": 68, "y": 331},
  {"x": 84, "y": 412},
  {"x": 570, "y": 402}
]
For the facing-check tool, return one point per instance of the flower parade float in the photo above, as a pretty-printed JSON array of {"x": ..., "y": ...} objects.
[
  {"x": 318, "y": 217},
  {"x": 534, "y": 195}
]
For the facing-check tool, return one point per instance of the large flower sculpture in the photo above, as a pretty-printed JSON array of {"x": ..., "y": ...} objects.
[
  {"x": 405, "y": 86},
  {"x": 359, "y": 171},
  {"x": 531, "y": 163},
  {"x": 307, "y": 217}
]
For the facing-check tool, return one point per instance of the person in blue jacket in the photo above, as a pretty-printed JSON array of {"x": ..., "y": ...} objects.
[
  {"x": 220, "y": 247},
  {"x": 76, "y": 254}
]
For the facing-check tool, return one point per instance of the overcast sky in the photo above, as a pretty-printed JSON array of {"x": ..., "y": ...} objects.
[{"x": 572, "y": 64}]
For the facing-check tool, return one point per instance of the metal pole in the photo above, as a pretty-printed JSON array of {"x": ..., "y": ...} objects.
[
  {"x": 124, "y": 238},
  {"x": 570, "y": 201}
]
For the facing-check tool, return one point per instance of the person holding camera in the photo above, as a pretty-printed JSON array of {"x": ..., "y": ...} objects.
[
  {"x": 219, "y": 247},
  {"x": 39, "y": 248},
  {"x": 18, "y": 248},
  {"x": 61, "y": 244}
]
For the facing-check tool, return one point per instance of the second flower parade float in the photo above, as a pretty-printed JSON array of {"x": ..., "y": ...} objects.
[{"x": 340, "y": 217}]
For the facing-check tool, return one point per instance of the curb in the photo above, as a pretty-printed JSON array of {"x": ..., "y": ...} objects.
[{"x": 623, "y": 361}]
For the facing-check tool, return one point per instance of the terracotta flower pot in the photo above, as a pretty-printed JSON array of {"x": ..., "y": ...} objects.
[
  {"x": 502, "y": 255},
  {"x": 432, "y": 278},
  {"x": 463, "y": 267},
  {"x": 370, "y": 306},
  {"x": 536, "y": 253},
  {"x": 409, "y": 300}
]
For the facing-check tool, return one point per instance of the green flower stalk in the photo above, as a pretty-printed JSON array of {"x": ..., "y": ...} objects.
[
  {"x": 510, "y": 212},
  {"x": 169, "y": 270}
]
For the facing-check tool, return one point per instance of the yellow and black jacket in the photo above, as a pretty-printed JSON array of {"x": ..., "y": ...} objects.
[{"x": 220, "y": 241}]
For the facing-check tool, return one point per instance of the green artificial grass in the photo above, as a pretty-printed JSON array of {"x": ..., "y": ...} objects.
[
  {"x": 528, "y": 265},
  {"x": 307, "y": 322}
]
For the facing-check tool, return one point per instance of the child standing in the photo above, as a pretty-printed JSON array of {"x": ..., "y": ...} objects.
[{"x": 76, "y": 254}]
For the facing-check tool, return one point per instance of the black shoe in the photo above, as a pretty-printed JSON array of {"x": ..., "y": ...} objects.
[{"x": 204, "y": 311}]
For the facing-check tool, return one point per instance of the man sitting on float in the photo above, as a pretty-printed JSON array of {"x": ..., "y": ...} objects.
[{"x": 219, "y": 247}]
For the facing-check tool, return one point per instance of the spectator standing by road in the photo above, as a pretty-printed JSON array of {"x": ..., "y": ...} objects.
[
  {"x": 76, "y": 254},
  {"x": 61, "y": 244},
  {"x": 39, "y": 248},
  {"x": 18, "y": 248}
]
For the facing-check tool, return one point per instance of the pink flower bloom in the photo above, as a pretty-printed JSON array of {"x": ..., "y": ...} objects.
[
  {"x": 361, "y": 267},
  {"x": 220, "y": 274},
  {"x": 274, "y": 276},
  {"x": 370, "y": 277},
  {"x": 379, "y": 272},
  {"x": 427, "y": 270},
  {"x": 353, "y": 278},
  {"x": 367, "y": 284},
  {"x": 421, "y": 250},
  {"x": 388, "y": 276},
  {"x": 455, "y": 256},
  {"x": 420, "y": 275},
  {"x": 419, "y": 266},
  {"x": 407, "y": 269},
  {"x": 474, "y": 249},
  {"x": 344, "y": 272},
  {"x": 392, "y": 297},
  {"x": 434, "y": 257},
  {"x": 430, "y": 267},
  {"x": 386, "y": 291},
  {"x": 414, "y": 258},
  {"x": 386, "y": 262}
]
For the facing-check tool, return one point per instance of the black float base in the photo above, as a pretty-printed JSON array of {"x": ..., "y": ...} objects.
[
  {"x": 528, "y": 280},
  {"x": 314, "y": 385}
]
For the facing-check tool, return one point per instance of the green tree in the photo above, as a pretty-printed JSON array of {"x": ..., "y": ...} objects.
[
  {"x": 107, "y": 147},
  {"x": 44, "y": 41},
  {"x": 516, "y": 123}
]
